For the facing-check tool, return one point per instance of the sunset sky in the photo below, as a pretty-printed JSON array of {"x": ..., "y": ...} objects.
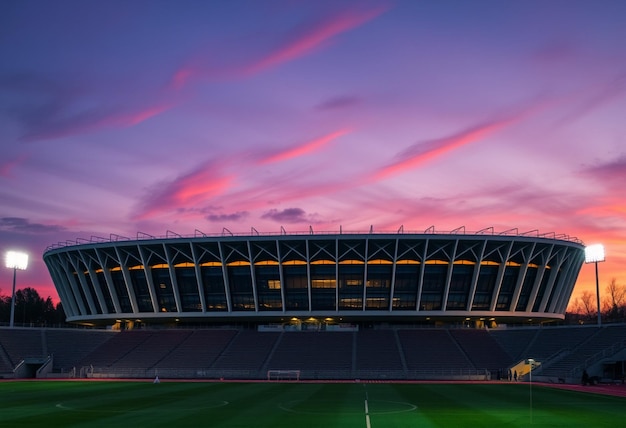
[{"x": 126, "y": 117}]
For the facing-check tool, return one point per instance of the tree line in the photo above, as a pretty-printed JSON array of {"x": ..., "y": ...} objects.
[
  {"x": 31, "y": 309},
  {"x": 612, "y": 305}
]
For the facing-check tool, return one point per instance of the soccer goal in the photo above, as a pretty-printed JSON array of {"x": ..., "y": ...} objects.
[{"x": 283, "y": 375}]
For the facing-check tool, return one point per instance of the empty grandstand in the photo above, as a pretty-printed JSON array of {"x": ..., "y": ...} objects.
[{"x": 374, "y": 354}]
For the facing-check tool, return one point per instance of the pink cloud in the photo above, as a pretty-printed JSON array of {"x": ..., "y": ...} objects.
[
  {"x": 423, "y": 152},
  {"x": 303, "y": 149},
  {"x": 199, "y": 185},
  {"x": 137, "y": 117},
  {"x": 58, "y": 127},
  {"x": 307, "y": 41},
  {"x": 314, "y": 38}
]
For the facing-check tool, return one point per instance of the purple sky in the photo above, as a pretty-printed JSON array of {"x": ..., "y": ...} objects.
[{"x": 119, "y": 117}]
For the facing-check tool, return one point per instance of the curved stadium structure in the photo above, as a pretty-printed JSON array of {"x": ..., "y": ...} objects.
[{"x": 480, "y": 278}]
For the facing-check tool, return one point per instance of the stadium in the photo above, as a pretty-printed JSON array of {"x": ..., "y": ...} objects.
[
  {"x": 318, "y": 280},
  {"x": 310, "y": 328}
]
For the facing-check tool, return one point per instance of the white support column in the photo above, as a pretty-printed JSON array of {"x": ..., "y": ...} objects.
[
  {"x": 498, "y": 285},
  {"x": 365, "y": 260},
  {"x": 576, "y": 261},
  {"x": 255, "y": 296},
  {"x": 526, "y": 255},
  {"x": 67, "y": 296},
  {"x": 109, "y": 281},
  {"x": 198, "y": 273},
  {"x": 173, "y": 280},
  {"x": 225, "y": 277},
  {"x": 420, "y": 281},
  {"x": 128, "y": 281},
  {"x": 555, "y": 260},
  {"x": 281, "y": 276},
  {"x": 393, "y": 274},
  {"x": 336, "y": 260},
  {"x": 83, "y": 284},
  {"x": 475, "y": 276},
  {"x": 451, "y": 260},
  {"x": 308, "y": 273},
  {"x": 87, "y": 261},
  {"x": 547, "y": 251},
  {"x": 148, "y": 273}
]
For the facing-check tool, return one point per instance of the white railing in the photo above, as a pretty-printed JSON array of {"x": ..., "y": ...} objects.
[{"x": 141, "y": 236}]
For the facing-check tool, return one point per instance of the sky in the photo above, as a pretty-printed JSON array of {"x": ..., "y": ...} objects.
[{"x": 125, "y": 118}]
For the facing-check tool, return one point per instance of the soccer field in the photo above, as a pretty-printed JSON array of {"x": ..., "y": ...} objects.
[{"x": 325, "y": 405}]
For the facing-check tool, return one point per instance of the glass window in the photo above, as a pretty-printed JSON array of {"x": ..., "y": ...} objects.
[
  {"x": 459, "y": 287},
  {"x": 527, "y": 286},
  {"x": 296, "y": 288},
  {"x": 121, "y": 290},
  {"x": 163, "y": 288},
  {"x": 487, "y": 277},
  {"x": 213, "y": 284},
  {"x": 268, "y": 287},
  {"x": 140, "y": 287},
  {"x": 542, "y": 289},
  {"x": 240, "y": 283},
  {"x": 188, "y": 289},
  {"x": 507, "y": 288},
  {"x": 351, "y": 286},
  {"x": 92, "y": 291},
  {"x": 108, "y": 299}
]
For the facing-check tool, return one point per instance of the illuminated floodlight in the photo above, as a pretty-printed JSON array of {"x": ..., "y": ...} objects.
[
  {"x": 16, "y": 260},
  {"x": 594, "y": 253}
]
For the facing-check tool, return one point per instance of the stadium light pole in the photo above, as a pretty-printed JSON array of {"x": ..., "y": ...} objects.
[
  {"x": 531, "y": 363},
  {"x": 15, "y": 260},
  {"x": 594, "y": 254}
]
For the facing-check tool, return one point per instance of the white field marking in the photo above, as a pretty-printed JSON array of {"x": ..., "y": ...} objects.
[
  {"x": 368, "y": 424},
  {"x": 401, "y": 407}
]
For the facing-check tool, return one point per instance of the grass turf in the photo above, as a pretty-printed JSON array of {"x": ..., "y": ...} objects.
[{"x": 326, "y": 405}]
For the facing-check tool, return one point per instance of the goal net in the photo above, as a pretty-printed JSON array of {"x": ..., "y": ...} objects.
[{"x": 283, "y": 375}]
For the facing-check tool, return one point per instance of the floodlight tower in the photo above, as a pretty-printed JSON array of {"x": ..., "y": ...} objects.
[
  {"x": 594, "y": 254},
  {"x": 531, "y": 363},
  {"x": 15, "y": 260}
]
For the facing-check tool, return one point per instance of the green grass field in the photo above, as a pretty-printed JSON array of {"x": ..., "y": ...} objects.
[{"x": 325, "y": 405}]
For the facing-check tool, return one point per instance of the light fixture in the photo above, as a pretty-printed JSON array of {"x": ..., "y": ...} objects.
[
  {"x": 594, "y": 254},
  {"x": 15, "y": 260}
]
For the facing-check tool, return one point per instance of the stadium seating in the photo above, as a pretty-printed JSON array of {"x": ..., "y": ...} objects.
[
  {"x": 425, "y": 350},
  {"x": 247, "y": 351},
  {"x": 200, "y": 349},
  {"x": 403, "y": 353}
]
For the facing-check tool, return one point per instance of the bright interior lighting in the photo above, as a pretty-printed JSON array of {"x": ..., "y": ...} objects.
[
  {"x": 17, "y": 260},
  {"x": 594, "y": 253}
]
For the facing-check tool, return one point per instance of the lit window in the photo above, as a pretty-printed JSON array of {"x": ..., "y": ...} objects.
[{"x": 273, "y": 284}]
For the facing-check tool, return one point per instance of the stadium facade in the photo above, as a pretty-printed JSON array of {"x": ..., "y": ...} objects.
[{"x": 453, "y": 277}]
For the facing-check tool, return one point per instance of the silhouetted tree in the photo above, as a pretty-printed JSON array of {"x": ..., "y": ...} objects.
[
  {"x": 615, "y": 301},
  {"x": 30, "y": 308},
  {"x": 613, "y": 305}
]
